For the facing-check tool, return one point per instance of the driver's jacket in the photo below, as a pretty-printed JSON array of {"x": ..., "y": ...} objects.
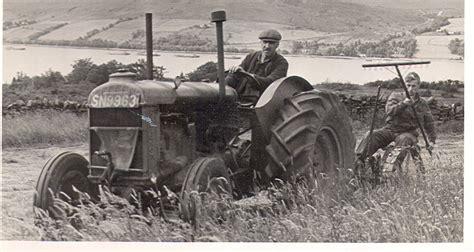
[
  {"x": 400, "y": 116},
  {"x": 272, "y": 69}
]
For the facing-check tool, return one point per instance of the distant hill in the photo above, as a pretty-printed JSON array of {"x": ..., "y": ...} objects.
[
  {"x": 322, "y": 15},
  {"x": 452, "y": 6},
  {"x": 330, "y": 21}
]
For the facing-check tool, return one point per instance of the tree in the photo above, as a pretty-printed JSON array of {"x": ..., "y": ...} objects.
[
  {"x": 80, "y": 70},
  {"x": 456, "y": 46},
  {"x": 409, "y": 48},
  {"x": 48, "y": 79},
  {"x": 21, "y": 81},
  {"x": 100, "y": 74},
  {"x": 205, "y": 71}
]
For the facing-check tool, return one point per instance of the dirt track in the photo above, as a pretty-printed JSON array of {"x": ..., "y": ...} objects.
[{"x": 21, "y": 168}]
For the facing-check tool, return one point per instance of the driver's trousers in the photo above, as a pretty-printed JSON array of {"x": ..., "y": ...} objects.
[{"x": 381, "y": 138}]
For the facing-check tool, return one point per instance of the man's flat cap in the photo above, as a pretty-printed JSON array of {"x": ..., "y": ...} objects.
[
  {"x": 412, "y": 76},
  {"x": 270, "y": 35}
]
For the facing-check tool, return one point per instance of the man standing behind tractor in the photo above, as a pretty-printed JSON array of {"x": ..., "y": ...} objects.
[
  {"x": 400, "y": 124},
  {"x": 265, "y": 66}
]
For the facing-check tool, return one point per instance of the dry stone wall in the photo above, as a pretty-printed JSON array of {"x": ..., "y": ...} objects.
[{"x": 358, "y": 107}]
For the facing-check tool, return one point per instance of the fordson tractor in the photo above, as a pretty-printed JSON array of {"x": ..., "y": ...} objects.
[{"x": 198, "y": 136}]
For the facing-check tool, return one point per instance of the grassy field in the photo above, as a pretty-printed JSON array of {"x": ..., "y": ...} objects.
[
  {"x": 429, "y": 210},
  {"x": 25, "y": 31},
  {"x": 456, "y": 25},
  {"x": 435, "y": 46},
  {"x": 75, "y": 30},
  {"x": 46, "y": 127}
]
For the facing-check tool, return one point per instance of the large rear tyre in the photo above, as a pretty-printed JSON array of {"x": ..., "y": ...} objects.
[
  {"x": 59, "y": 175},
  {"x": 209, "y": 175},
  {"x": 311, "y": 138}
]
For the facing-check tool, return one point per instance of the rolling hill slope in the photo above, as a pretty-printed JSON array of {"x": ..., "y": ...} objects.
[
  {"x": 330, "y": 21},
  {"x": 325, "y": 15}
]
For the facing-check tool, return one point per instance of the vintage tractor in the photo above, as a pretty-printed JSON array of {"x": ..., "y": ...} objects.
[{"x": 198, "y": 136}]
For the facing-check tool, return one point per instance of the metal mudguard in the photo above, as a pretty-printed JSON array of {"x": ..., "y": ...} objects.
[{"x": 272, "y": 100}]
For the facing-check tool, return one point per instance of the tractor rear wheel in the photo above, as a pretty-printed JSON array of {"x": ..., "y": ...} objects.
[
  {"x": 311, "y": 138},
  {"x": 58, "y": 177},
  {"x": 208, "y": 175}
]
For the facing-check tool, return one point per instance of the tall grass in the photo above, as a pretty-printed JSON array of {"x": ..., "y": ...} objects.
[
  {"x": 427, "y": 210},
  {"x": 43, "y": 127}
]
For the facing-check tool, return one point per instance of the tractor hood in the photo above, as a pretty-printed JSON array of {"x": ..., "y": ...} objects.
[{"x": 123, "y": 90}]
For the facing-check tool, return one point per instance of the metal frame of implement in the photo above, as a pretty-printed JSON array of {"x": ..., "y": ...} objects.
[{"x": 407, "y": 94}]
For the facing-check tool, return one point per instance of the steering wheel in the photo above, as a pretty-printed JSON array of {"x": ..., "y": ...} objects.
[
  {"x": 251, "y": 77},
  {"x": 249, "y": 100}
]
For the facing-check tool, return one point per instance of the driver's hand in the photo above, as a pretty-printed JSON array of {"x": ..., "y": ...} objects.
[
  {"x": 431, "y": 147},
  {"x": 408, "y": 101},
  {"x": 235, "y": 69}
]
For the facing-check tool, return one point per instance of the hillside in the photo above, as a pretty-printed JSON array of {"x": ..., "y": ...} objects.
[
  {"x": 117, "y": 20},
  {"x": 184, "y": 24},
  {"x": 317, "y": 15}
]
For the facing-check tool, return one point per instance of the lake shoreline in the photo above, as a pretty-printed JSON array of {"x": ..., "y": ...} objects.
[
  {"x": 37, "y": 59},
  {"x": 235, "y": 54}
]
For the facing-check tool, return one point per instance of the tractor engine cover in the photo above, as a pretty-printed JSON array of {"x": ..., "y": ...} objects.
[{"x": 123, "y": 90}]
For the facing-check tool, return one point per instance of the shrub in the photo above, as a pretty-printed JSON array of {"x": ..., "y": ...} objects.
[
  {"x": 456, "y": 46},
  {"x": 338, "y": 86},
  {"x": 387, "y": 84},
  {"x": 205, "y": 71}
]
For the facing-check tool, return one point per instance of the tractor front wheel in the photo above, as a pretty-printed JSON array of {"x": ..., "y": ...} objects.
[
  {"x": 58, "y": 177},
  {"x": 206, "y": 175}
]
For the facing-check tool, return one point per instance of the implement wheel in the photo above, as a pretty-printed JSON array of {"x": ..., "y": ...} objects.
[
  {"x": 397, "y": 165},
  {"x": 209, "y": 175},
  {"x": 311, "y": 138},
  {"x": 58, "y": 176}
]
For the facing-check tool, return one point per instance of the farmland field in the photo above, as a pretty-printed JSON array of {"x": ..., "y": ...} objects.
[
  {"x": 425, "y": 211},
  {"x": 456, "y": 25},
  {"x": 78, "y": 29},
  {"x": 435, "y": 46},
  {"x": 25, "y": 31},
  {"x": 237, "y": 33}
]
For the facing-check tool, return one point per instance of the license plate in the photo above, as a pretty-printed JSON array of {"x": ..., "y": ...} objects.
[{"x": 115, "y": 100}]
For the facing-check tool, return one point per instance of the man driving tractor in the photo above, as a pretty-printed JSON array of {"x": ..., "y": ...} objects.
[
  {"x": 400, "y": 124},
  {"x": 265, "y": 66}
]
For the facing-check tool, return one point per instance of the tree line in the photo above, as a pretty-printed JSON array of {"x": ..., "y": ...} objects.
[
  {"x": 449, "y": 85},
  {"x": 13, "y": 24},
  {"x": 390, "y": 46},
  {"x": 433, "y": 24},
  {"x": 84, "y": 72}
]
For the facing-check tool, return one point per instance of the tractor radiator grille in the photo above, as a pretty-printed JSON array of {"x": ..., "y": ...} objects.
[{"x": 115, "y": 117}]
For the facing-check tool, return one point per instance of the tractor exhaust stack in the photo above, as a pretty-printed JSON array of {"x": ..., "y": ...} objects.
[
  {"x": 149, "y": 47},
  {"x": 219, "y": 17}
]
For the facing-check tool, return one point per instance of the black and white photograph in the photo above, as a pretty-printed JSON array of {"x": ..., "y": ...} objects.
[{"x": 319, "y": 122}]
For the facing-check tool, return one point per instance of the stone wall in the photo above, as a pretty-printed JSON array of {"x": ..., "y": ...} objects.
[{"x": 359, "y": 108}]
